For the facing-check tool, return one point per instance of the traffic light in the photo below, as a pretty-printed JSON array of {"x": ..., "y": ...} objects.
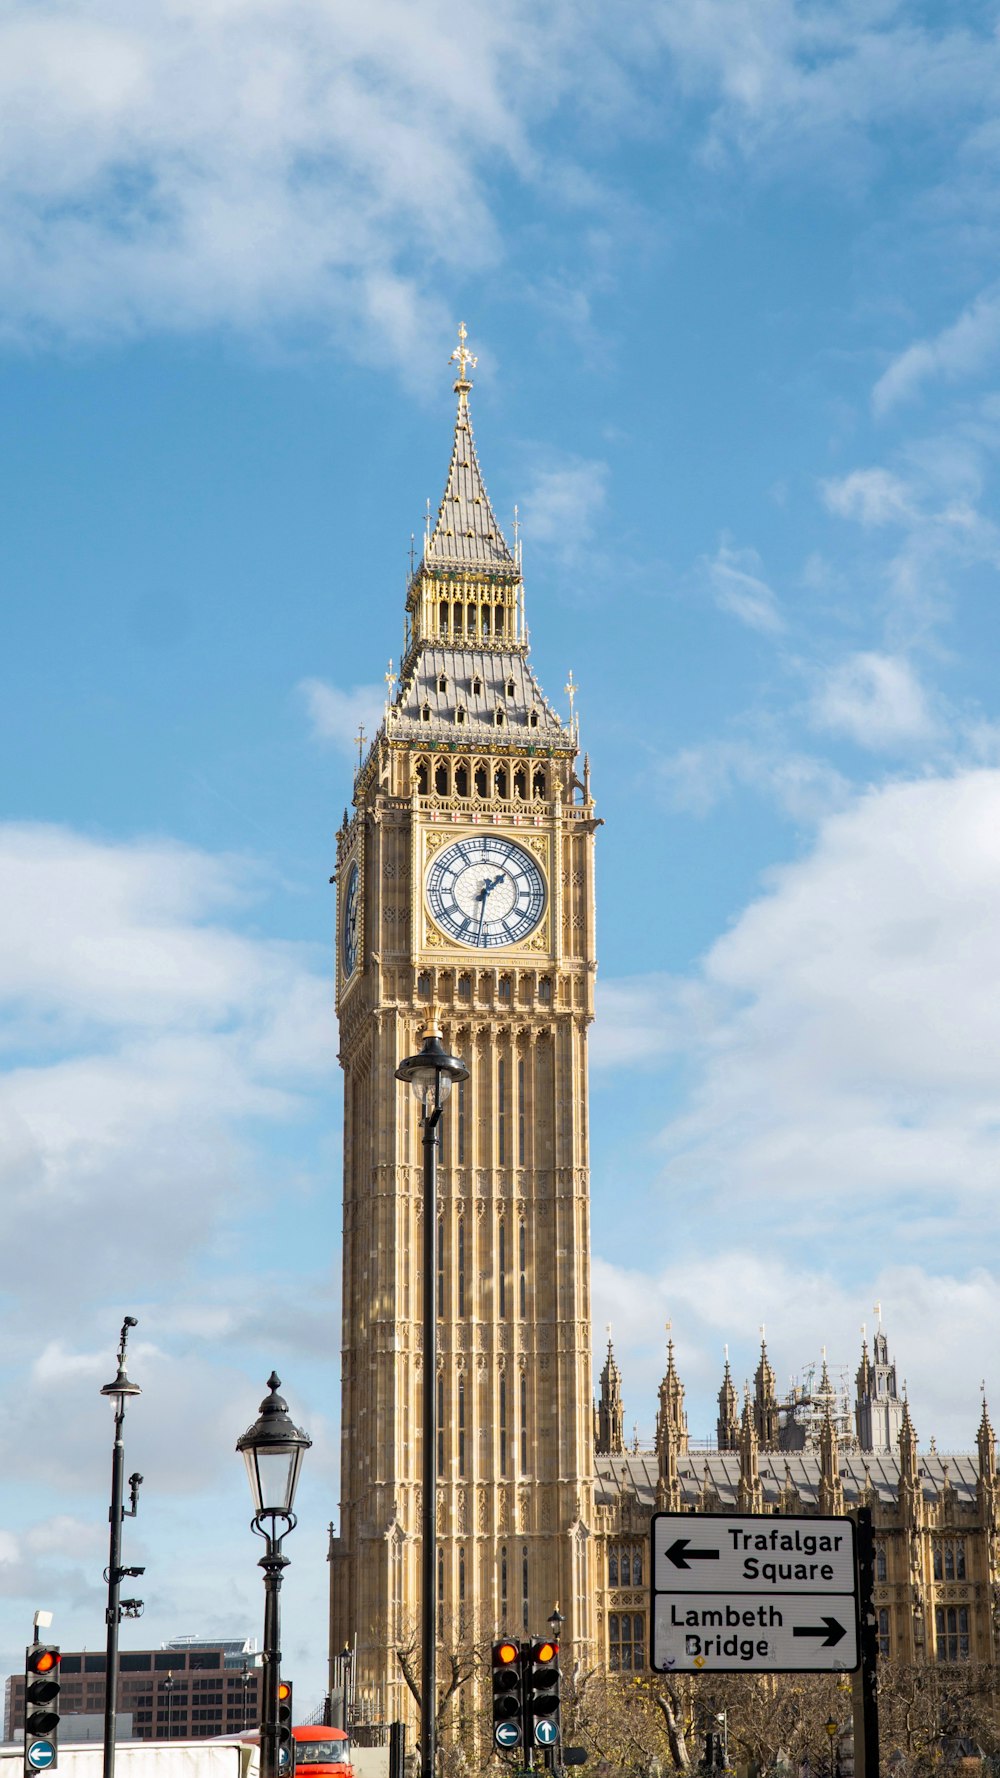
[
  {"x": 41, "y": 1708},
  {"x": 506, "y": 1694},
  {"x": 541, "y": 1693},
  {"x": 285, "y": 1737}
]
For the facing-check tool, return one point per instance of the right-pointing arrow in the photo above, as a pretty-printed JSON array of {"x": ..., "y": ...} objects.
[
  {"x": 682, "y": 1555},
  {"x": 831, "y": 1634}
]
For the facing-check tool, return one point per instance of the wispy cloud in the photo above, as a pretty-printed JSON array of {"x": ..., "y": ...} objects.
[
  {"x": 735, "y": 580},
  {"x": 876, "y": 700},
  {"x": 563, "y": 502},
  {"x": 696, "y": 779},
  {"x": 872, "y": 496},
  {"x": 960, "y": 350},
  {"x": 337, "y": 715}
]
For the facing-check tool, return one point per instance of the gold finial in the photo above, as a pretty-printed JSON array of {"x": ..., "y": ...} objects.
[
  {"x": 390, "y": 677},
  {"x": 571, "y": 689},
  {"x": 360, "y": 738},
  {"x": 463, "y": 357}
]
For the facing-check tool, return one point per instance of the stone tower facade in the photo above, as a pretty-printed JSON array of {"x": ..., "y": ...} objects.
[{"x": 465, "y": 881}]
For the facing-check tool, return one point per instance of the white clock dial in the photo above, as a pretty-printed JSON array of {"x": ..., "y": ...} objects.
[
  {"x": 351, "y": 921},
  {"x": 486, "y": 891}
]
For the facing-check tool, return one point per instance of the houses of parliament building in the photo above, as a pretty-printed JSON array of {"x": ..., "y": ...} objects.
[{"x": 465, "y": 883}]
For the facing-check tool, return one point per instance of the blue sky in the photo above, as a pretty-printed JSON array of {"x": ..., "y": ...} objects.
[{"x": 730, "y": 269}]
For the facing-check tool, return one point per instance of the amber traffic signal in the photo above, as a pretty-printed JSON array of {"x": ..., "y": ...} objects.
[
  {"x": 41, "y": 1707},
  {"x": 506, "y": 1694},
  {"x": 541, "y": 1693},
  {"x": 286, "y": 1737}
]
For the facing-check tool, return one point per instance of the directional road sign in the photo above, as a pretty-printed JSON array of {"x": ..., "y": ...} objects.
[
  {"x": 40, "y": 1755},
  {"x": 546, "y": 1732},
  {"x": 752, "y": 1593},
  {"x": 507, "y": 1734}
]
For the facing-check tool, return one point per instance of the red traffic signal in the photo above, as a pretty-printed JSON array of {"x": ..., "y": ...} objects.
[{"x": 42, "y": 1660}]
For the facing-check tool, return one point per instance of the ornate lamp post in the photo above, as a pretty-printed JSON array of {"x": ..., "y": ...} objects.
[
  {"x": 272, "y": 1450},
  {"x": 431, "y": 1073},
  {"x": 119, "y": 1392}
]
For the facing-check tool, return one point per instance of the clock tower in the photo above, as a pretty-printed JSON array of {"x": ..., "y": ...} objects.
[{"x": 465, "y": 883}]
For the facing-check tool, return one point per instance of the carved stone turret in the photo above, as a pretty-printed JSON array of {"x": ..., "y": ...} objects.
[
  {"x": 609, "y": 1414},
  {"x": 728, "y": 1423},
  {"x": 751, "y": 1494},
  {"x": 765, "y": 1402}
]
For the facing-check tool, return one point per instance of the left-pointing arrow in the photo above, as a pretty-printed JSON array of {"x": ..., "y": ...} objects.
[
  {"x": 830, "y": 1630},
  {"x": 682, "y": 1555}
]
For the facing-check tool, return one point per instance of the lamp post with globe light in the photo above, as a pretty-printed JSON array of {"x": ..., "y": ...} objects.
[
  {"x": 431, "y": 1073},
  {"x": 119, "y": 1392},
  {"x": 272, "y": 1449}
]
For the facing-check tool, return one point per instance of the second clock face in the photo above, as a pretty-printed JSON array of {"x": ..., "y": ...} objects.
[
  {"x": 486, "y": 891},
  {"x": 351, "y": 921}
]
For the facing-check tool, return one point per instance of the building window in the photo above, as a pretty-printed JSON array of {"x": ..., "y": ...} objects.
[
  {"x": 440, "y": 1423},
  {"x": 502, "y": 1115},
  {"x": 533, "y": 719},
  {"x": 881, "y": 1566},
  {"x": 503, "y": 1584},
  {"x": 625, "y": 1565},
  {"x": 520, "y": 784},
  {"x": 464, "y": 989},
  {"x": 441, "y": 780},
  {"x": 440, "y": 1611},
  {"x": 461, "y": 778},
  {"x": 425, "y": 714},
  {"x": 949, "y": 1560},
  {"x": 951, "y": 1624},
  {"x": 524, "y": 1424},
  {"x": 442, "y": 682},
  {"x": 482, "y": 782},
  {"x": 461, "y": 771},
  {"x": 504, "y": 987},
  {"x": 477, "y": 687},
  {"x": 545, "y": 990},
  {"x": 538, "y": 784},
  {"x": 520, "y": 1112},
  {"x": 502, "y": 1267},
  {"x": 524, "y": 1590},
  {"x": 522, "y": 1286},
  {"x": 626, "y": 1641},
  {"x": 884, "y": 1641},
  {"x": 461, "y": 1426},
  {"x": 461, "y": 1577},
  {"x": 500, "y": 781},
  {"x": 461, "y": 1265},
  {"x": 510, "y": 688},
  {"x": 440, "y": 1268},
  {"x": 503, "y": 1424}
]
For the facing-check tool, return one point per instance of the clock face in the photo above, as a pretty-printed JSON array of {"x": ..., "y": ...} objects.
[
  {"x": 349, "y": 923},
  {"x": 486, "y": 891}
]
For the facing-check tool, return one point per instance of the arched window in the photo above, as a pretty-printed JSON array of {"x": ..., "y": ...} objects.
[
  {"x": 538, "y": 783},
  {"x": 482, "y": 782},
  {"x": 521, "y": 1124},
  {"x": 460, "y": 713},
  {"x": 485, "y": 620},
  {"x": 524, "y": 1589},
  {"x": 500, "y": 781},
  {"x": 503, "y": 1423},
  {"x": 443, "y": 617},
  {"x": 462, "y": 774},
  {"x": 499, "y": 718},
  {"x": 461, "y": 1266},
  {"x": 442, "y": 682},
  {"x": 502, "y": 1128},
  {"x": 441, "y": 779},
  {"x": 503, "y": 1583},
  {"x": 524, "y": 1424},
  {"x": 504, "y": 988},
  {"x": 522, "y": 1278},
  {"x": 612, "y": 1566},
  {"x": 461, "y": 1574},
  {"x": 422, "y": 777},
  {"x": 502, "y": 1267},
  {"x": 440, "y": 1267},
  {"x": 510, "y": 688},
  {"x": 440, "y": 1424},
  {"x": 440, "y": 1609},
  {"x": 425, "y": 714},
  {"x": 545, "y": 990},
  {"x": 470, "y": 618},
  {"x": 521, "y": 783},
  {"x": 477, "y": 687},
  {"x": 532, "y": 718},
  {"x": 881, "y": 1567},
  {"x": 457, "y": 618},
  {"x": 461, "y": 1426}
]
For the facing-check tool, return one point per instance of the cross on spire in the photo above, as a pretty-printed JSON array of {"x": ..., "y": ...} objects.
[
  {"x": 360, "y": 738},
  {"x": 390, "y": 677},
  {"x": 462, "y": 356}
]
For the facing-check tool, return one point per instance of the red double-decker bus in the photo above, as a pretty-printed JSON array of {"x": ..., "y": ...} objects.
[{"x": 323, "y": 1752}]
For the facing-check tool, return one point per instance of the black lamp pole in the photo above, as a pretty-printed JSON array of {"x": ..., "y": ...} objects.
[
  {"x": 119, "y": 1392},
  {"x": 272, "y": 1450},
  {"x": 432, "y": 1074}
]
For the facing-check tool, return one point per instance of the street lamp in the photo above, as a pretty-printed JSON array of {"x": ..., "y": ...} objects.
[
  {"x": 272, "y": 1450},
  {"x": 555, "y": 1622},
  {"x": 431, "y": 1073},
  {"x": 119, "y": 1392}
]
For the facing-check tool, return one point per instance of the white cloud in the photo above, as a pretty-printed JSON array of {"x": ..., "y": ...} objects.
[
  {"x": 697, "y": 779},
  {"x": 854, "y": 1064},
  {"x": 563, "y": 502},
  {"x": 873, "y": 496},
  {"x": 337, "y": 715},
  {"x": 875, "y": 700},
  {"x": 960, "y": 350},
  {"x": 735, "y": 580},
  {"x": 146, "y": 1036}
]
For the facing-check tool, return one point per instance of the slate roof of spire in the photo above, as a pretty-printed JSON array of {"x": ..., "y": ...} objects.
[
  {"x": 637, "y": 1473},
  {"x": 466, "y": 534}
]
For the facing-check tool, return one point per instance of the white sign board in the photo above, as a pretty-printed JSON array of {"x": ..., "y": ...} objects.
[{"x": 752, "y": 1593}]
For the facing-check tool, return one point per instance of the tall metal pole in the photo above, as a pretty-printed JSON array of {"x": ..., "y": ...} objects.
[
  {"x": 114, "y": 1590},
  {"x": 428, "y": 1530},
  {"x": 865, "y": 1680},
  {"x": 272, "y": 1563}
]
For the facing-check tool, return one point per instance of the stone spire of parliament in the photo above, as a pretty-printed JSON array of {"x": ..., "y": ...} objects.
[{"x": 465, "y": 878}]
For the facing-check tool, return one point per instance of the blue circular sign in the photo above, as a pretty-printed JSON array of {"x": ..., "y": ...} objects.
[
  {"x": 546, "y": 1731},
  {"x": 41, "y": 1755},
  {"x": 507, "y": 1734}
]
